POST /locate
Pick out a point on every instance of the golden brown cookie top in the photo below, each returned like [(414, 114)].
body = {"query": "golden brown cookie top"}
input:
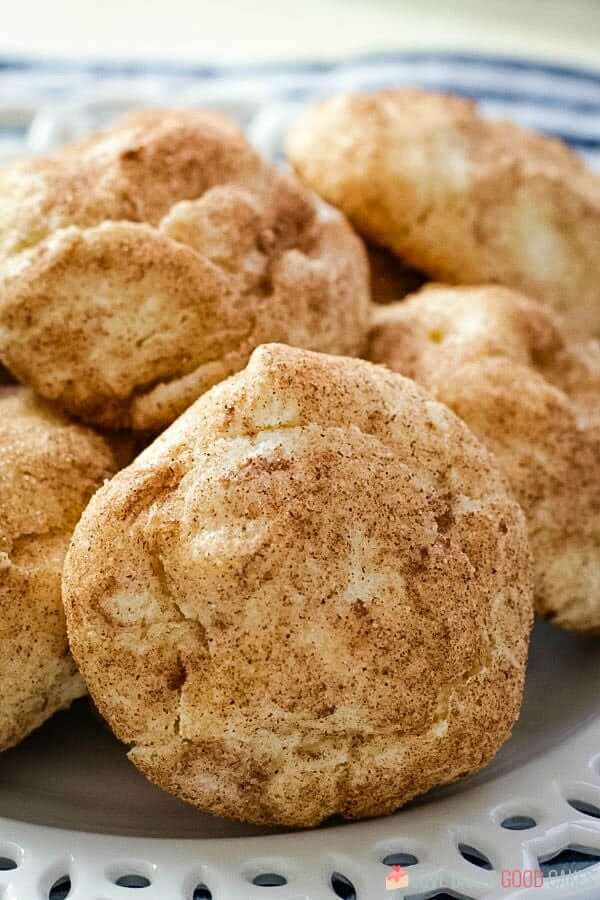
[(49, 467), (142, 265), (465, 199), (502, 363), (423, 133), (441, 328), (133, 172), (314, 568)]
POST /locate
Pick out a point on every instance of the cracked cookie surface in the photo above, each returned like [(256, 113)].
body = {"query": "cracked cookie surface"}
[(49, 468), (464, 199), (502, 363), (144, 264), (311, 595)]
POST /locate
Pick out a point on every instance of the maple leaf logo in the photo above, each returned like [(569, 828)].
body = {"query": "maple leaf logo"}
[(397, 878)]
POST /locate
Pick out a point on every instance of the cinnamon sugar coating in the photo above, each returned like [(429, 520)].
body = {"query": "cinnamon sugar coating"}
[(49, 468), (502, 362), (144, 264), (311, 595), (461, 198)]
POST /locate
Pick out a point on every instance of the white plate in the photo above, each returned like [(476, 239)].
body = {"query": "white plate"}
[(71, 803), (73, 775)]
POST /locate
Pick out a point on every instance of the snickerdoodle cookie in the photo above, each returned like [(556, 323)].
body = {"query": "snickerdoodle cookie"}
[(501, 362), (463, 199), (144, 264), (49, 468), (311, 595)]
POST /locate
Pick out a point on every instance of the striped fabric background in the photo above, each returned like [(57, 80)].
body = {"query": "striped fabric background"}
[(45, 103)]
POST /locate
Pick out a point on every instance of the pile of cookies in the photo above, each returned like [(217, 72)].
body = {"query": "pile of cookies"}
[(290, 511)]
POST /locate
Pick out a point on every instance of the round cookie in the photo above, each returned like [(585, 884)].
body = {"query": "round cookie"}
[(466, 200), (49, 468), (143, 265), (311, 595), (501, 362)]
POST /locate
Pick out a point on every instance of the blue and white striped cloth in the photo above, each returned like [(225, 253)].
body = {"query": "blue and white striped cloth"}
[(42, 104)]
